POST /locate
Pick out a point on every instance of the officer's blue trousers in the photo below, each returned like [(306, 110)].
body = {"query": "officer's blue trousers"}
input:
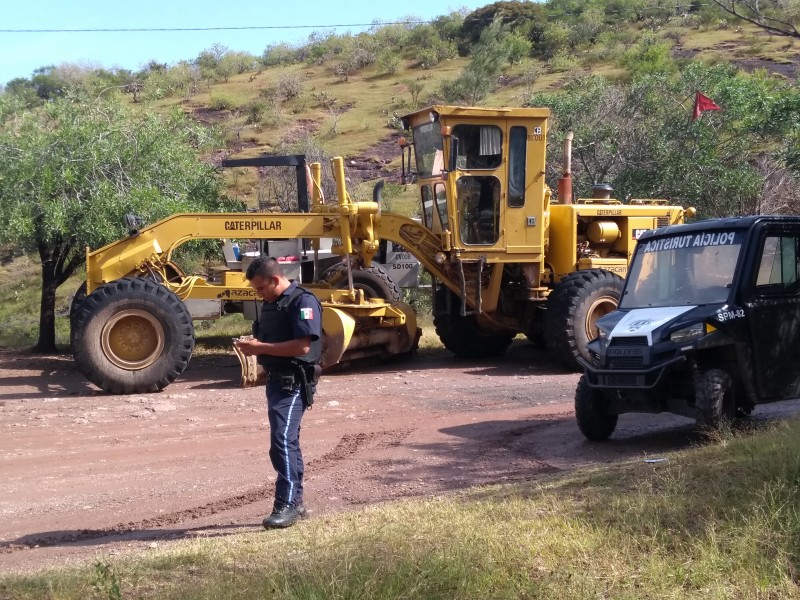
[(285, 411)]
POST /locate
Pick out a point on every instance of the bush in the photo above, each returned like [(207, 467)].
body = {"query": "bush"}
[(563, 62), (289, 86), (388, 62), (221, 102), (279, 54), (255, 112)]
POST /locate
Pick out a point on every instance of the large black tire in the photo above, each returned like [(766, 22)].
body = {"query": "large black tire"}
[(133, 336), (594, 420), (715, 403), (74, 308), (573, 308), (375, 281), (463, 336)]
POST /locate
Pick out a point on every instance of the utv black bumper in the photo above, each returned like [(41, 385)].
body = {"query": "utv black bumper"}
[(633, 379)]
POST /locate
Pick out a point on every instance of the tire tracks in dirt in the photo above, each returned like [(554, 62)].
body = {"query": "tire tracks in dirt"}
[(347, 447)]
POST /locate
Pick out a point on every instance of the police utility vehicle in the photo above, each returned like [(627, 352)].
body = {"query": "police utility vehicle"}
[(708, 325)]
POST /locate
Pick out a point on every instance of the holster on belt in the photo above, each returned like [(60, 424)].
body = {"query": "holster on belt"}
[(309, 376)]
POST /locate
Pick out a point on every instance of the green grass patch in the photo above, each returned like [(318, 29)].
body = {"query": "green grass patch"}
[(20, 298), (719, 521)]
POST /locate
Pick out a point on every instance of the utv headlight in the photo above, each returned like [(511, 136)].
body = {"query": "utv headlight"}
[(687, 334)]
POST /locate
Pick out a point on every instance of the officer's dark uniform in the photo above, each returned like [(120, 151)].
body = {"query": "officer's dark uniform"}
[(295, 314)]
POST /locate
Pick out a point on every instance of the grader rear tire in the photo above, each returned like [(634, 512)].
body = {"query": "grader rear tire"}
[(375, 282), (573, 309), (133, 336), (463, 336)]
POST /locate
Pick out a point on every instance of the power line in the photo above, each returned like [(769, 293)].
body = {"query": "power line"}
[(249, 27)]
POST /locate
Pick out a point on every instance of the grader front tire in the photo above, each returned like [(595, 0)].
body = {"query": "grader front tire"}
[(463, 336), (133, 336), (573, 309)]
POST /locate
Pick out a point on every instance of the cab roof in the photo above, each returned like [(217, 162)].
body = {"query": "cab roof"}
[(720, 224), (473, 112)]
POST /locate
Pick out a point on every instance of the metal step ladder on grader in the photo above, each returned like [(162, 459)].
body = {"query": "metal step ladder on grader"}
[(504, 259)]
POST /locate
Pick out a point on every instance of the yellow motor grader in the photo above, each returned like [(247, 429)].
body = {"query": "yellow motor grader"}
[(504, 259)]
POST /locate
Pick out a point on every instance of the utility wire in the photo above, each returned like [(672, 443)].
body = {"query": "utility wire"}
[(678, 7), (157, 29)]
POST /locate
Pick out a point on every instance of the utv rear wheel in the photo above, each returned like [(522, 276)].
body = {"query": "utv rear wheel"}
[(590, 411), (375, 281), (715, 404), (463, 336), (133, 336), (573, 309)]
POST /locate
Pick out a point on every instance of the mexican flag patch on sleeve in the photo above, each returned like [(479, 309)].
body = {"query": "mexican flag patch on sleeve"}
[(306, 314)]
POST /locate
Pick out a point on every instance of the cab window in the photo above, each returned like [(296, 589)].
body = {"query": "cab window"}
[(779, 267), (517, 146), (478, 146), (479, 206)]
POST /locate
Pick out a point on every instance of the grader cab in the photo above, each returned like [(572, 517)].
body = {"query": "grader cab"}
[(504, 259), (508, 259)]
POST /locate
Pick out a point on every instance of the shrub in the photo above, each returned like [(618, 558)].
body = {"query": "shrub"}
[(563, 62), (255, 112), (289, 86), (388, 62), (221, 102), (279, 54)]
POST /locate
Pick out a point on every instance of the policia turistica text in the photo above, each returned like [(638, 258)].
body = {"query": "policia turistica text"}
[(288, 344)]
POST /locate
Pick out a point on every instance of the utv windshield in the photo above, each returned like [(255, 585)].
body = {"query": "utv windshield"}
[(683, 270), (428, 149)]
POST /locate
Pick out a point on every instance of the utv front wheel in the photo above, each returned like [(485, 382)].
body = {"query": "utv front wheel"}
[(594, 421), (132, 336), (715, 404), (574, 307)]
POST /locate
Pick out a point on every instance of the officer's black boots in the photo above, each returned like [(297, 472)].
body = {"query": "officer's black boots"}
[(284, 515)]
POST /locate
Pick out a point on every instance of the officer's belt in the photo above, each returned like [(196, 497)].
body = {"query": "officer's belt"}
[(277, 374)]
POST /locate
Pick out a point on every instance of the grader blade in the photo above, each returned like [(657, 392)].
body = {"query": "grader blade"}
[(253, 374), (351, 332)]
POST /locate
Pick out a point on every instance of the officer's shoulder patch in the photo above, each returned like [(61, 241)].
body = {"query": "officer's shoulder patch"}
[(306, 314)]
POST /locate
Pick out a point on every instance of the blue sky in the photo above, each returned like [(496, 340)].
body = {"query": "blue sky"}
[(23, 52)]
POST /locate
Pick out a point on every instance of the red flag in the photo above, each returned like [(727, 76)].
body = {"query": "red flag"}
[(702, 103)]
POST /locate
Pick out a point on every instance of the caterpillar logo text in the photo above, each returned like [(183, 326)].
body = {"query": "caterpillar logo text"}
[(253, 225)]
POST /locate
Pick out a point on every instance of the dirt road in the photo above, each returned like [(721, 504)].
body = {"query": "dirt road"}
[(85, 473)]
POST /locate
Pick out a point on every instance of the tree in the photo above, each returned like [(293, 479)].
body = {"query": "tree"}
[(753, 11), (479, 78), (526, 18), (640, 138), (70, 171)]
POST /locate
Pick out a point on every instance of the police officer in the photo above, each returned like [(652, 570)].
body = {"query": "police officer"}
[(288, 344)]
